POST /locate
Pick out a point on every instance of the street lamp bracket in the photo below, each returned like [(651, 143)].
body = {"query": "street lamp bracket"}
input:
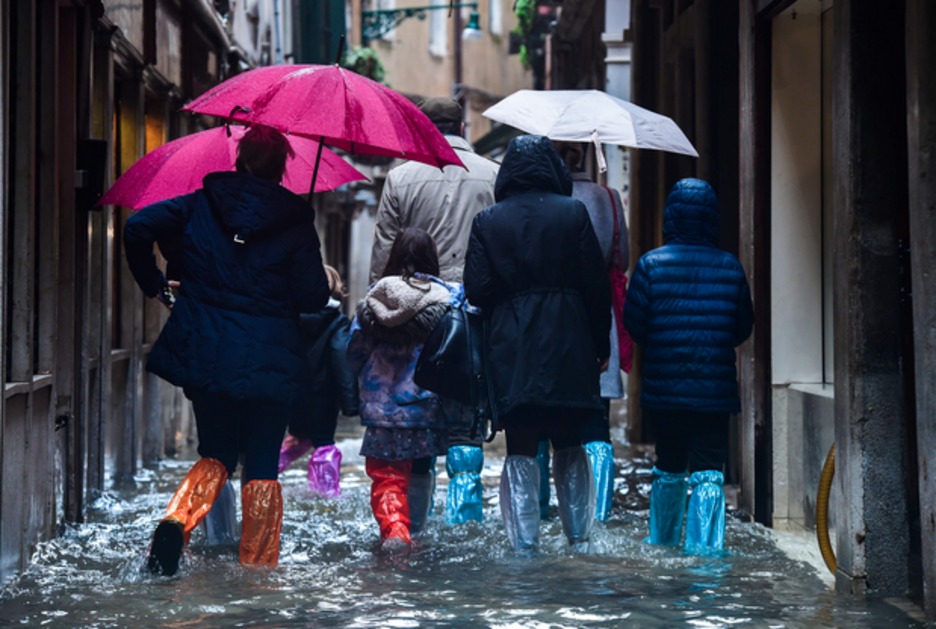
[(378, 22)]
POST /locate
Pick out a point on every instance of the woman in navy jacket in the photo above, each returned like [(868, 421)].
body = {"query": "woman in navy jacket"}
[(250, 264), (689, 306)]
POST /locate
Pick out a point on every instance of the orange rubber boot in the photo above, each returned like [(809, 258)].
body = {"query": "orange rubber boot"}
[(262, 507), (188, 507), (389, 500)]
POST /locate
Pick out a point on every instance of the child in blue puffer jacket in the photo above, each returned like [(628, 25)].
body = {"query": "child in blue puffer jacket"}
[(405, 424)]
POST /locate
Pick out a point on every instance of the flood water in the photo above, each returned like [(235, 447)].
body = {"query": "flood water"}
[(332, 574)]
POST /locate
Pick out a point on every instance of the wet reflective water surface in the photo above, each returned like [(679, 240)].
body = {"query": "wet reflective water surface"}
[(332, 572)]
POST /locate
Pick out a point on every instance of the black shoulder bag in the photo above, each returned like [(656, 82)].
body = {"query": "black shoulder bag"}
[(453, 364)]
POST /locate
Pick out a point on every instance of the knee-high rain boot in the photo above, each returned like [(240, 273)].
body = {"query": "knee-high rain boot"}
[(292, 449), (419, 492), (389, 500), (705, 521), (325, 472), (262, 506), (188, 507), (519, 501), (221, 522), (601, 460), (575, 492), (667, 507), (463, 501), (542, 461)]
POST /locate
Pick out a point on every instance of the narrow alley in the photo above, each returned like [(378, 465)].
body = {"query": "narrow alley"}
[(332, 572)]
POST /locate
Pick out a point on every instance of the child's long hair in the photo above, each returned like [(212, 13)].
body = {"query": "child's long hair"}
[(335, 286), (413, 251)]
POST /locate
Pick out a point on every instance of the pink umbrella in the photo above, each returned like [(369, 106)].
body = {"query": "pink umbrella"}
[(332, 104), (178, 167)]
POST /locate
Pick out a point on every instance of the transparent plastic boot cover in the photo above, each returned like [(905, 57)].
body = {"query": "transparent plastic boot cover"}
[(542, 459), (221, 522), (575, 492), (420, 491), (519, 501)]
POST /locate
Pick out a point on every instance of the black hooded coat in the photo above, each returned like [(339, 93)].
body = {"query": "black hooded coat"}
[(535, 268)]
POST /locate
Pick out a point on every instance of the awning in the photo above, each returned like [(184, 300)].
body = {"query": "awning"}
[(496, 140)]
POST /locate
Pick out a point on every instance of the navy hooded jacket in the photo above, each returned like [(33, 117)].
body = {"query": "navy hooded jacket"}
[(250, 264), (689, 306)]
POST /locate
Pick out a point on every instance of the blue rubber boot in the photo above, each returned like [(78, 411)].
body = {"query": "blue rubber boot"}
[(601, 460), (705, 522), (542, 460), (667, 507), (463, 502)]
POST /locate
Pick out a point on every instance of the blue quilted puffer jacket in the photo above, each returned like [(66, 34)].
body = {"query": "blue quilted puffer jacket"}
[(689, 306)]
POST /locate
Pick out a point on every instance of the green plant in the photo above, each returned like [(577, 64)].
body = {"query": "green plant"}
[(525, 10), (365, 61)]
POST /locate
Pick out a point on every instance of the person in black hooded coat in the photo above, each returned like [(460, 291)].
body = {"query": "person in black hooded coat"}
[(250, 263), (535, 268)]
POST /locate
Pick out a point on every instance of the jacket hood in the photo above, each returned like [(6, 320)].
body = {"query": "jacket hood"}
[(691, 215), (398, 310), (532, 163), (247, 206)]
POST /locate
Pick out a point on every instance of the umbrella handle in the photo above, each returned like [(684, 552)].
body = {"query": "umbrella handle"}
[(318, 160), (599, 153)]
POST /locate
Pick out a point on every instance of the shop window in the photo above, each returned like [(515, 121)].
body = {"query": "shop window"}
[(496, 17), (438, 33), (801, 197)]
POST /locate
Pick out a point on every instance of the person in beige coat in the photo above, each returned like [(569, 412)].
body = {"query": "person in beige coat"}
[(443, 202)]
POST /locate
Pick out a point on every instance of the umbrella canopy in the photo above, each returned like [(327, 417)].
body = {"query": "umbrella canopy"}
[(590, 116), (178, 167), (332, 104)]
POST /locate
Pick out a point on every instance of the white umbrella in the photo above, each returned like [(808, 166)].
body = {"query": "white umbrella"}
[(590, 116)]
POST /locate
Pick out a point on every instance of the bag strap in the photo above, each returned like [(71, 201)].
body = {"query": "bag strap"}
[(616, 238)]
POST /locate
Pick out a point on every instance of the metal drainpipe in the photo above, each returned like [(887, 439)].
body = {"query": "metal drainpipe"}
[(278, 51), (458, 89)]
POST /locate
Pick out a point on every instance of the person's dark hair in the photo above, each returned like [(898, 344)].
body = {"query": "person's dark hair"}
[(413, 251), (263, 152), (573, 154), (449, 128)]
